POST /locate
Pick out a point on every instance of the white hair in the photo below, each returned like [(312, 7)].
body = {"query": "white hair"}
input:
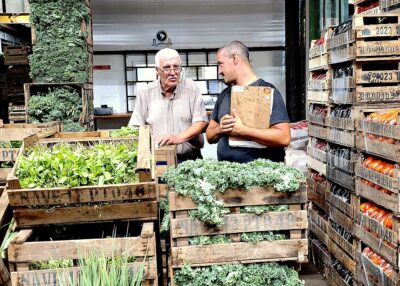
[(166, 54)]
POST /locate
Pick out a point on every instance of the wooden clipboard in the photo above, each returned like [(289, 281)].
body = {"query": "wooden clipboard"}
[(254, 106)]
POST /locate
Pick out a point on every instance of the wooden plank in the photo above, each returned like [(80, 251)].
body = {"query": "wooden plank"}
[(341, 218), (384, 181), (318, 232), (342, 39), (240, 198), (4, 205), (316, 153), (341, 137), (146, 211), (74, 249), (340, 123), (342, 257), (4, 174), (381, 30), (377, 274), (377, 76), (341, 178), (22, 236), (318, 96), (295, 234), (4, 274), (53, 277), (342, 54), (340, 163), (377, 48), (319, 220), (340, 241), (387, 252), (317, 199), (383, 232), (317, 131), (8, 154), (238, 223), (147, 230), (386, 130), (381, 149), (378, 94), (387, 201), (106, 193), (267, 251), (144, 149), (316, 165)]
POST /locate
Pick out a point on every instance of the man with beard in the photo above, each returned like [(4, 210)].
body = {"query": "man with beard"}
[(234, 65), (173, 107)]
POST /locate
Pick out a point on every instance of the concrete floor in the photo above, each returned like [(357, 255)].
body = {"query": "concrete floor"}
[(311, 276)]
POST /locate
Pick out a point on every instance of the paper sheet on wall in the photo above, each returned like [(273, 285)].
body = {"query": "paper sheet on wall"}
[(254, 106)]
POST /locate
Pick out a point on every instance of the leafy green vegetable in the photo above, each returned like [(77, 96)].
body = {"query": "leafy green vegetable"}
[(60, 53), (263, 209), (255, 237), (262, 274), (76, 165), (58, 103), (202, 179), (165, 223), (125, 131), (51, 264), (10, 144), (207, 240)]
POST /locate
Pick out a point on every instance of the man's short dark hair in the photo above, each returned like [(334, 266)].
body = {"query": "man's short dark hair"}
[(236, 48)]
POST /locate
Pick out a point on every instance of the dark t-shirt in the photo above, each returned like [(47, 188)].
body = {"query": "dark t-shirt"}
[(241, 154)]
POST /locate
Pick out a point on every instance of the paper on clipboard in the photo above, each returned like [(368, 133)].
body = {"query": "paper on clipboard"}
[(254, 106)]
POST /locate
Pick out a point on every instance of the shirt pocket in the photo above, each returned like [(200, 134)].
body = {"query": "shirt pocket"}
[(186, 122)]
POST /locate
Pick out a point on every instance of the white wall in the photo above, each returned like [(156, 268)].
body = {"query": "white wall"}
[(109, 85)]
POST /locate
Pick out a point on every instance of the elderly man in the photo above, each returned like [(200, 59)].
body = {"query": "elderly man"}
[(173, 107), (235, 67)]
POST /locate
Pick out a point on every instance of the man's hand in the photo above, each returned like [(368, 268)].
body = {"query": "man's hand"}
[(227, 123), (238, 126), (169, 140)]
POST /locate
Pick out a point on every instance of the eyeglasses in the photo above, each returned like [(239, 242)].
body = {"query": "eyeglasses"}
[(168, 69)]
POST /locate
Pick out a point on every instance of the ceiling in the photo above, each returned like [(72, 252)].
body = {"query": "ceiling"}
[(190, 24)]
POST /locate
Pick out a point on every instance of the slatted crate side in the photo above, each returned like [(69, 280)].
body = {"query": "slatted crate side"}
[(319, 63), (9, 154), (294, 221), (316, 119), (132, 201), (339, 122), (347, 209), (319, 256), (317, 131), (389, 6), (342, 137), (319, 96), (340, 40), (342, 178), (317, 50), (372, 274), (370, 72), (366, 30), (388, 201), (85, 90), (343, 96), (385, 250), (321, 84), (342, 54), (22, 252), (377, 94), (348, 247), (316, 153), (334, 279), (373, 11), (19, 131), (341, 163), (348, 262), (341, 83), (317, 193), (316, 165), (387, 182), (341, 218), (317, 218), (165, 156)]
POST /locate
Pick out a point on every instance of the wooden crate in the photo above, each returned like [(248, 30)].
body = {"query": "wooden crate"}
[(387, 182), (340, 123), (63, 205), (316, 153), (373, 11), (342, 137), (342, 212), (340, 177), (378, 40), (21, 252), (340, 247), (377, 73), (373, 146), (165, 156), (316, 119), (389, 6), (344, 39), (316, 165), (370, 274), (317, 131), (85, 90), (318, 193), (334, 279), (334, 161), (318, 57), (294, 221), (19, 131), (318, 225), (322, 84), (335, 250), (319, 96), (342, 54), (319, 256), (16, 55)]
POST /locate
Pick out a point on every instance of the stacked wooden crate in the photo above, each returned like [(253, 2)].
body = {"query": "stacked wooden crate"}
[(17, 76), (293, 221), (318, 98), (78, 206), (84, 88)]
